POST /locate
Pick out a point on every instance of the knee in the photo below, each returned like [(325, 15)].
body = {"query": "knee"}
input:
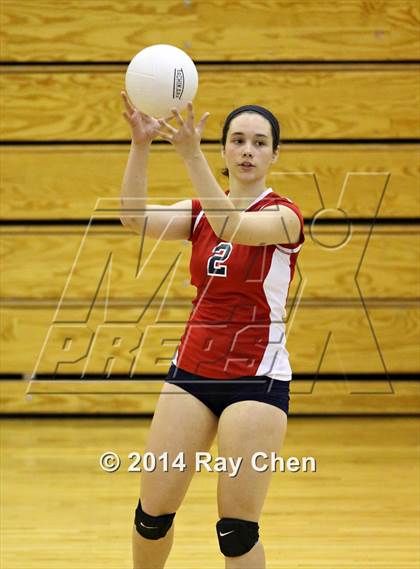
[(236, 537), (152, 527)]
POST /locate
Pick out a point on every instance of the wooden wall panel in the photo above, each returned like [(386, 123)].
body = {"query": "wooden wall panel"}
[(38, 264), (121, 397), (65, 182), (210, 30), (333, 339), (312, 102), (329, 329)]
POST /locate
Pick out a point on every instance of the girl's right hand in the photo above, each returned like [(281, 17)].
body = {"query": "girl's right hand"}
[(144, 128)]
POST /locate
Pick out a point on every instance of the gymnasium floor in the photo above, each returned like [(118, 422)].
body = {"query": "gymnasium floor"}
[(359, 510)]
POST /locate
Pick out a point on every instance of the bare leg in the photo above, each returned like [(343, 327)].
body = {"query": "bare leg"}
[(149, 554), (244, 429), (181, 423)]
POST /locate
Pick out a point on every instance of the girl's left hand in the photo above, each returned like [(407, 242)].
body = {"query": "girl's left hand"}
[(188, 136)]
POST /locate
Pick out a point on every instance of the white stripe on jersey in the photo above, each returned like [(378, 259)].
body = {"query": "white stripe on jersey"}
[(289, 251), (275, 360), (197, 219)]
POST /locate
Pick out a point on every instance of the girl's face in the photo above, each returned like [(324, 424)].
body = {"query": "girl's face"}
[(248, 152)]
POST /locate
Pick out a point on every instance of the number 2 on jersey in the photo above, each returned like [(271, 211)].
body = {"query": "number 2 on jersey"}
[(221, 253)]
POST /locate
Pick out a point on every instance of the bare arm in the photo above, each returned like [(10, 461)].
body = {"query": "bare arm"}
[(276, 224), (157, 221), (229, 224)]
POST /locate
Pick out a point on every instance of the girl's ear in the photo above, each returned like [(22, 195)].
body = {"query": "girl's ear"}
[(275, 154), (222, 151)]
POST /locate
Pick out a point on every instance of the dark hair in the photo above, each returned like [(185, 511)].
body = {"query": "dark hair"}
[(268, 115)]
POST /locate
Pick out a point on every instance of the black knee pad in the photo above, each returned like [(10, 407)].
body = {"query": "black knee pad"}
[(152, 527), (236, 537)]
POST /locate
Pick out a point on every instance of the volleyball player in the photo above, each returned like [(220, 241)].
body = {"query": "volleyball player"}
[(245, 242)]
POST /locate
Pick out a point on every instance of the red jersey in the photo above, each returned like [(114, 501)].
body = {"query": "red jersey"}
[(236, 327)]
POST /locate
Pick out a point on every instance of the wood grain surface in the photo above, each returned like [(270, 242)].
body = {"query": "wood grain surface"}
[(211, 30), (311, 101), (332, 73), (125, 340), (359, 509), (324, 397), (74, 264), (66, 182)]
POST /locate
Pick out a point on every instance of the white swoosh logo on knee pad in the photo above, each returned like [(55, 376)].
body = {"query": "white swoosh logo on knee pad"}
[(227, 533), (148, 527)]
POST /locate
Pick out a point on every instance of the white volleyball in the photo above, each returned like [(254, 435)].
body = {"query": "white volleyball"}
[(159, 78)]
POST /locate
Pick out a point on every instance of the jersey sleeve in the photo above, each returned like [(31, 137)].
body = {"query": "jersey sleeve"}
[(294, 207), (195, 210)]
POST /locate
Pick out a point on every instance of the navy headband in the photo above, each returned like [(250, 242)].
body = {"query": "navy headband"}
[(275, 127)]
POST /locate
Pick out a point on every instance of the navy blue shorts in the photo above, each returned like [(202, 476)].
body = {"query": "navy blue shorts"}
[(217, 394)]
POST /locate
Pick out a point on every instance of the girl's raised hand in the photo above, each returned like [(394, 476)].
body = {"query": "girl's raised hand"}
[(187, 137), (144, 128)]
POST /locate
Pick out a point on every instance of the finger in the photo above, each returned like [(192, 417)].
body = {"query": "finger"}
[(168, 126), (190, 111), (127, 103), (202, 122), (167, 118), (164, 135), (144, 115), (178, 117), (127, 117), (131, 108)]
